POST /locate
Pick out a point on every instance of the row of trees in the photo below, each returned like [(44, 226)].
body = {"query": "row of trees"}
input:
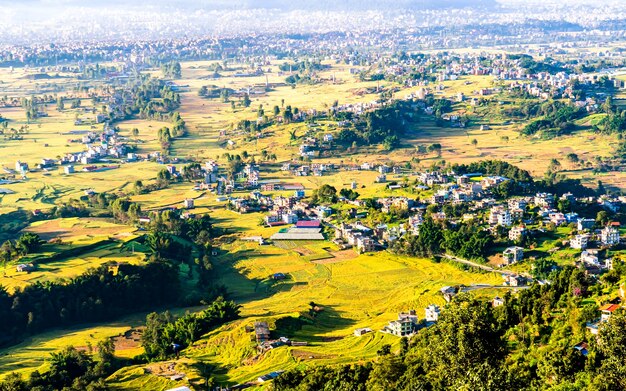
[(98, 295)]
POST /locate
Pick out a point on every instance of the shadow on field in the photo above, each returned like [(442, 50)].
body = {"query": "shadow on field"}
[(313, 328)]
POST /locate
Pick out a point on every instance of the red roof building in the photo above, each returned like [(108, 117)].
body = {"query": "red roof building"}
[(308, 224)]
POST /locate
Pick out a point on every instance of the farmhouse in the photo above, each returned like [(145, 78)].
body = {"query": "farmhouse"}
[(432, 313), (513, 255), (23, 267), (404, 326), (362, 331), (261, 331)]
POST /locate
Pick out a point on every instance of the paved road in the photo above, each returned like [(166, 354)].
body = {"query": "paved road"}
[(483, 267)]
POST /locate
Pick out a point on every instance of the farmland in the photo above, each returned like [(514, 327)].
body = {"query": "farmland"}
[(109, 213)]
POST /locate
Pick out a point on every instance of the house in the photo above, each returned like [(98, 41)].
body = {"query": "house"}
[(448, 292), (607, 310), (497, 301), (68, 169), (499, 215), (188, 203), (517, 233), (365, 244), (324, 211), (261, 331), (513, 255), (579, 241), (557, 218), (583, 224), (269, 376), (609, 236), (404, 326), (582, 347), (432, 313), (590, 257), (514, 280), (362, 331), (21, 167), (544, 200), (23, 267)]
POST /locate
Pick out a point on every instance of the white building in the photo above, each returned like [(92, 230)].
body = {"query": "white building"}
[(513, 255), (404, 326), (517, 233), (432, 313), (579, 242), (609, 236)]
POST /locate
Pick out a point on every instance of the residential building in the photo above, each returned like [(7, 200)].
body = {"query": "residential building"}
[(432, 313), (583, 224), (579, 241), (405, 325), (609, 236), (517, 233), (513, 255)]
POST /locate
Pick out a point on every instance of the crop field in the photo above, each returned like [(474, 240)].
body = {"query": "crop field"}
[(386, 284), (32, 354), (354, 290), (71, 267)]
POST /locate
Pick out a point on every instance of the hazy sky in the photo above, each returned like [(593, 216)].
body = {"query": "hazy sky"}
[(36, 20)]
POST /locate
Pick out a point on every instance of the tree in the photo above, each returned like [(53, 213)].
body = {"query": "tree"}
[(246, 101), (324, 194), (602, 218), (572, 158), (435, 148), (554, 166), (138, 187), (391, 142), (464, 349), (28, 243), (164, 176), (612, 347)]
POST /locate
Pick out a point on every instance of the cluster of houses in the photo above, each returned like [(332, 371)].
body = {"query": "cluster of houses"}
[(474, 190)]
